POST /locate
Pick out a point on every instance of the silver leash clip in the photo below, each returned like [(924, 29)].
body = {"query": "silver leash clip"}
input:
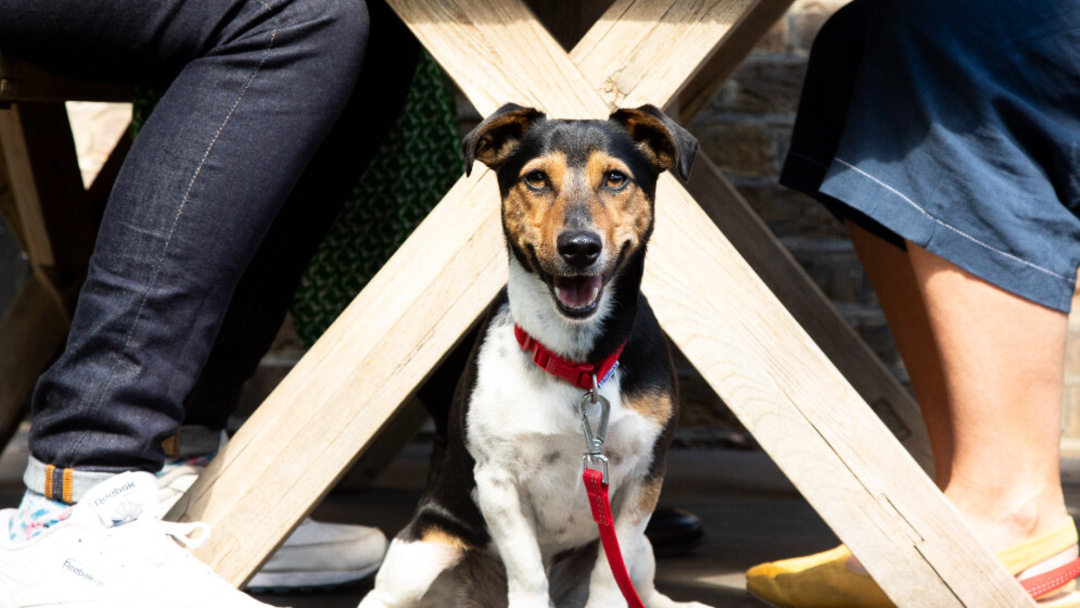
[(594, 442)]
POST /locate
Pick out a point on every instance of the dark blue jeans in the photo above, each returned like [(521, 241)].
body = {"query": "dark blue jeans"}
[(256, 89)]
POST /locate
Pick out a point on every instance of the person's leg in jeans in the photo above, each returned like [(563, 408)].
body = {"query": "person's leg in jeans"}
[(259, 86), (265, 292), (262, 299), (256, 86)]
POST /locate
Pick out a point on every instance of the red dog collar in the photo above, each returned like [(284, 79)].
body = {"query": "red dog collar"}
[(579, 374)]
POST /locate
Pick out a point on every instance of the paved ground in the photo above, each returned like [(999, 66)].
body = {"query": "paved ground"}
[(751, 514)]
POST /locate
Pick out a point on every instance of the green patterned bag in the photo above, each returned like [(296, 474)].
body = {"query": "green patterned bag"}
[(416, 165)]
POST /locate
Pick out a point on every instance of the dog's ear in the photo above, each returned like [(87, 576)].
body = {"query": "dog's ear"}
[(495, 139), (661, 139)]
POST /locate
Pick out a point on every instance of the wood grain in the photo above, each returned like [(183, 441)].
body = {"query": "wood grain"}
[(639, 48), (753, 24), (21, 80), (32, 332), (56, 226), (776, 267), (22, 183)]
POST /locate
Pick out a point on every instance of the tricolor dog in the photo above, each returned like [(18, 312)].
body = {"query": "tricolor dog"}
[(570, 344)]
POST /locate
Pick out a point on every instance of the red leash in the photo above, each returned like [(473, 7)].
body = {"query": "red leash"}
[(584, 375), (601, 509)]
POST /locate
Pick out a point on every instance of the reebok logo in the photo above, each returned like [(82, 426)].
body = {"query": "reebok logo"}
[(98, 502), (79, 572)]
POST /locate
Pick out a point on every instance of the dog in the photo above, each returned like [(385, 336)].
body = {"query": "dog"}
[(507, 521)]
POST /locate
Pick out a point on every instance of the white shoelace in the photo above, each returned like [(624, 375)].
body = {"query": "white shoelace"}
[(191, 535)]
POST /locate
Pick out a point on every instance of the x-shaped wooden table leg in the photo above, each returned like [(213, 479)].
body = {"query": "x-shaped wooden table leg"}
[(801, 410)]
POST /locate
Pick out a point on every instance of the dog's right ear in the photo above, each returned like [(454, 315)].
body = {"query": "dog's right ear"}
[(495, 139)]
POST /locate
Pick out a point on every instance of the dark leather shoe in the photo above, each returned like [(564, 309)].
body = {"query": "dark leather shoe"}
[(674, 531)]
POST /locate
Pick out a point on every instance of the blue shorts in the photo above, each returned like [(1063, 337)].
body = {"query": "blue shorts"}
[(954, 125)]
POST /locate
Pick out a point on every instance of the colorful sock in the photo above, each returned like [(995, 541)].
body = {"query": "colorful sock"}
[(35, 514), (199, 461)]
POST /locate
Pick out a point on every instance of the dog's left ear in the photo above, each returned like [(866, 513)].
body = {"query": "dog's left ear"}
[(496, 138), (661, 139)]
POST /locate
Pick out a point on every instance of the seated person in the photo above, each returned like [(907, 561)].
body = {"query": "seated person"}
[(944, 134)]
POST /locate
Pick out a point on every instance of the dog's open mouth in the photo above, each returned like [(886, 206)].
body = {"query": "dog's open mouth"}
[(577, 296)]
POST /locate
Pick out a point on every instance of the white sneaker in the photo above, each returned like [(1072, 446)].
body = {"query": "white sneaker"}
[(113, 552), (315, 556)]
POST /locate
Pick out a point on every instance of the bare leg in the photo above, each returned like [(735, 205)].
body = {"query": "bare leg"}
[(987, 369), (1003, 360), (893, 280)]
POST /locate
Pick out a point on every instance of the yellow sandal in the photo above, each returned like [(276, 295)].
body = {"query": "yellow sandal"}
[(823, 580)]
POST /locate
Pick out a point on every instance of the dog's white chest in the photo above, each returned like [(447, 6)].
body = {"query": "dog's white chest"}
[(528, 425)]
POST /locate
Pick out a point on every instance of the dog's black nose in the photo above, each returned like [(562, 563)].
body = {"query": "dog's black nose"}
[(579, 248)]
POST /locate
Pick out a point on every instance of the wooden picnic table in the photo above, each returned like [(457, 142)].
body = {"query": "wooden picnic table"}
[(709, 298)]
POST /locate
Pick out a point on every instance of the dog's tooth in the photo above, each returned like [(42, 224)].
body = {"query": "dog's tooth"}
[(595, 292)]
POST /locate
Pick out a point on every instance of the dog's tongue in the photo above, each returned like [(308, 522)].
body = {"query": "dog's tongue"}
[(577, 292)]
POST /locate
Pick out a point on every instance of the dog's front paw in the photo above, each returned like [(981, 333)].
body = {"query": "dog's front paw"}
[(530, 600), (605, 600), (663, 601)]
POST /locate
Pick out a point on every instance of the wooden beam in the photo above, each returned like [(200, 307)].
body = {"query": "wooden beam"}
[(776, 267), (32, 332), (21, 80), (98, 192), (56, 226), (50, 153), (630, 53), (349, 379), (754, 24), (23, 187), (507, 35)]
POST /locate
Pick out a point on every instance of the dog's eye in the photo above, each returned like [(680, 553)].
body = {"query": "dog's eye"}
[(535, 179), (615, 180)]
